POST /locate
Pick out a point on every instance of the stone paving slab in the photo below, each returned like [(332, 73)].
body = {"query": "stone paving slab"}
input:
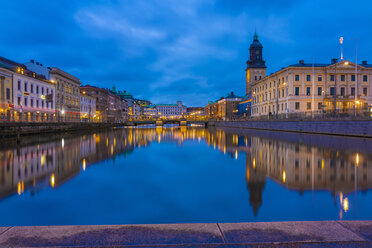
[(315, 231), (111, 235), (274, 234), (362, 228)]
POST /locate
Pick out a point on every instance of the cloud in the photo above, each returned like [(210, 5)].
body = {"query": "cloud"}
[(165, 50)]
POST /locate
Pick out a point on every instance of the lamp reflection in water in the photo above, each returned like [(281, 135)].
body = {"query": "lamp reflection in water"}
[(346, 204), (52, 180)]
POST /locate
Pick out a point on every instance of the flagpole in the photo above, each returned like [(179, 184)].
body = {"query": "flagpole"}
[(356, 78), (342, 48)]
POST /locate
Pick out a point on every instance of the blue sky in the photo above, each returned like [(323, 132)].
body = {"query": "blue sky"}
[(171, 50)]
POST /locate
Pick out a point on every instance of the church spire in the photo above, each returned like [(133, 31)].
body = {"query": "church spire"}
[(256, 68), (255, 36), (255, 53)]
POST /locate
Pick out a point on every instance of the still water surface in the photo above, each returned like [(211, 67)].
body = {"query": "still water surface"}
[(179, 174)]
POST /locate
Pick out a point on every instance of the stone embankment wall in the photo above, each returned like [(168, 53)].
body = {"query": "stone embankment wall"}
[(360, 128), (16, 129)]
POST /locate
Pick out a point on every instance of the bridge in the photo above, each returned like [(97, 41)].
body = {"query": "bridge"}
[(180, 122)]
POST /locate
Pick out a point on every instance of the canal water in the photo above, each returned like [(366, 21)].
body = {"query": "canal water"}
[(183, 175)]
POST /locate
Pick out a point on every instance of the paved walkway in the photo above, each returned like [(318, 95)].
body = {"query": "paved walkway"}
[(273, 234)]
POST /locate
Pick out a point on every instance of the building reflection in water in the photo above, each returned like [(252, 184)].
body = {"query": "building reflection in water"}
[(301, 166)]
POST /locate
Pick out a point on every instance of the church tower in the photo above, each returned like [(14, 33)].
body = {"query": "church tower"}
[(256, 68)]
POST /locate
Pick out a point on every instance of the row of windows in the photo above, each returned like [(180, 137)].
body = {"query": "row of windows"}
[(65, 87), (86, 100), (331, 78), (332, 91), (320, 92), (26, 88), (34, 103)]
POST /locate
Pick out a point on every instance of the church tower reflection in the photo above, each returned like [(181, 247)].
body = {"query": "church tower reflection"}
[(256, 181)]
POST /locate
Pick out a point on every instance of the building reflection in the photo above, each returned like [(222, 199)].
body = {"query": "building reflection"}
[(295, 165)]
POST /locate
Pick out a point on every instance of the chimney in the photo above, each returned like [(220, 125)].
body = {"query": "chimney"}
[(364, 62), (232, 93), (302, 62), (32, 61), (334, 61)]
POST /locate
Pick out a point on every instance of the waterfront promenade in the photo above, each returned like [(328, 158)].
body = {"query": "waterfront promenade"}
[(260, 234)]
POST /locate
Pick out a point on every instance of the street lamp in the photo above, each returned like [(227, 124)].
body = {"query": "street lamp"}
[(62, 113)]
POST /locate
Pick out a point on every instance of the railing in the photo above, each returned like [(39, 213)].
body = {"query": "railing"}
[(360, 114)]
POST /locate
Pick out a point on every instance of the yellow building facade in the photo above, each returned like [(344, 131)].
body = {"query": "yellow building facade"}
[(308, 88), (6, 95)]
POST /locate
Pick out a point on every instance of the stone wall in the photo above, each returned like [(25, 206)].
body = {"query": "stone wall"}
[(361, 128)]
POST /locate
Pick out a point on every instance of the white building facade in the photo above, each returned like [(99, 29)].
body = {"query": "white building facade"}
[(87, 107), (34, 99)]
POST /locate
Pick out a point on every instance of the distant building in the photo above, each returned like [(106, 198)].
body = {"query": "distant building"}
[(32, 96), (165, 110), (101, 96), (194, 110), (68, 95), (87, 106), (143, 102), (244, 107), (223, 109)]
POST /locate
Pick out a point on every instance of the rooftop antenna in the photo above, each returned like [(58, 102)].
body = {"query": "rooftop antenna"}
[(342, 48)]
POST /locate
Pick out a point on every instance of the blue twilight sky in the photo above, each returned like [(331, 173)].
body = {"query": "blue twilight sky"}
[(171, 50)]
